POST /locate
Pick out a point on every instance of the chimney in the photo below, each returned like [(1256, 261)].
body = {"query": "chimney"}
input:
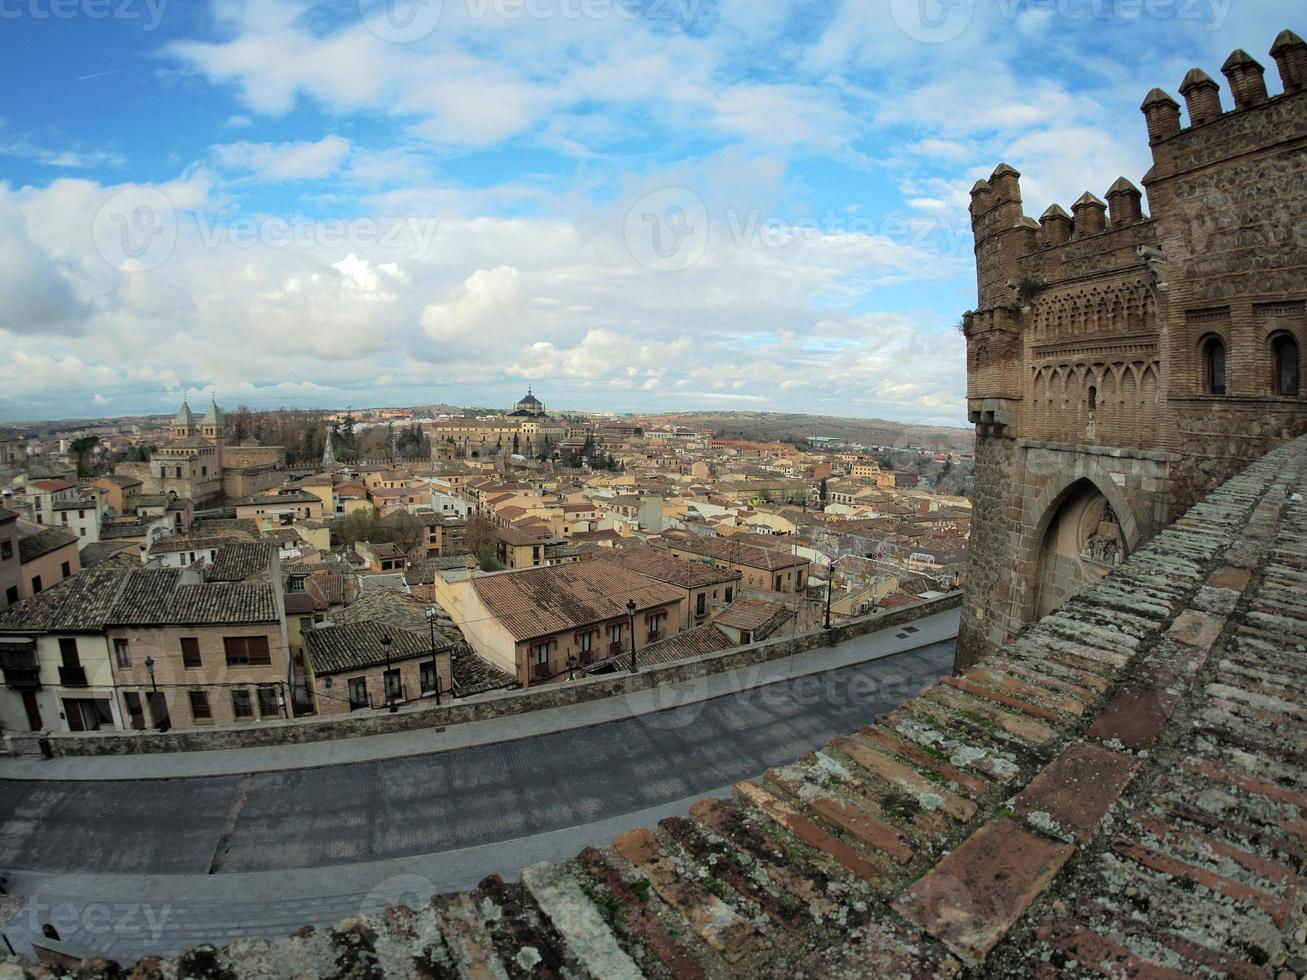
[(1247, 79), (1202, 97), (1290, 54), (1090, 215), (1056, 224), (1124, 201), (1161, 114)]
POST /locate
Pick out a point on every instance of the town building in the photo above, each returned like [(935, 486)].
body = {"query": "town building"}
[(764, 569), (544, 624)]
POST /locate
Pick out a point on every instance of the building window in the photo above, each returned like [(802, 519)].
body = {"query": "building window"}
[(427, 677), (242, 705), (11, 594), (1285, 351), (1214, 365), (729, 596), (615, 633), (358, 693), (200, 710), (6, 550), (36, 585), (66, 569), (247, 651), (122, 653), (655, 621), (701, 604), (191, 652), (68, 652), (587, 642), (394, 686), (268, 705)]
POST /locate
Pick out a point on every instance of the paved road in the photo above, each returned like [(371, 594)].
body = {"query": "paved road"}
[(387, 809), (223, 856)]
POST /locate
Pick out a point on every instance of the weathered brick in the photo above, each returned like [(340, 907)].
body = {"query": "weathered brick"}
[(1077, 789), (710, 918), (1100, 954), (807, 831), (982, 888), (1135, 716), (875, 761), (642, 919)]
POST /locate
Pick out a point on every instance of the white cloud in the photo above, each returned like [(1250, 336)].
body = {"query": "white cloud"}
[(285, 161)]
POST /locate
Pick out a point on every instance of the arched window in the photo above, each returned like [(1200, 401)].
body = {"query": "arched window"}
[(1093, 399), (1214, 365), (1284, 353)]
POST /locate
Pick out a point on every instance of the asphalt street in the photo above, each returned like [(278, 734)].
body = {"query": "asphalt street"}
[(223, 853)]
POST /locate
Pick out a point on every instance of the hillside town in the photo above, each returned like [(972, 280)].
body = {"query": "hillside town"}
[(185, 574)]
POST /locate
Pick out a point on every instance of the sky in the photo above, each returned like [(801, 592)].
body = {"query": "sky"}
[(630, 205)]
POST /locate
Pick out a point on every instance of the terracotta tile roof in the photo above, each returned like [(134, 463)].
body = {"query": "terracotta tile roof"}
[(53, 486), (41, 543), (666, 568), (356, 646), (736, 552), (698, 642), (754, 615), (95, 599), (157, 597), (542, 601), (236, 562)]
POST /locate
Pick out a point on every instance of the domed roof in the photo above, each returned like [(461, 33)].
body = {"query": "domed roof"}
[(184, 415), (530, 399)]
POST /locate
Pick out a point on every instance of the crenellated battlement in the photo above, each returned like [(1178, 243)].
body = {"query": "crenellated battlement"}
[(1123, 358)]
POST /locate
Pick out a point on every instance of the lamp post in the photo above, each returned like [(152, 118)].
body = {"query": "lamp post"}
[(385, 678), (435, 667), (830, 587), (630, 612), (154, 694), (571, 667)]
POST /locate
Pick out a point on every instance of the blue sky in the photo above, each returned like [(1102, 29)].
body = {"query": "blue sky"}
[(633, 205)]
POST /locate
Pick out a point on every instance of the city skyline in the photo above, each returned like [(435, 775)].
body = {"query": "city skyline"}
[(427, 209)]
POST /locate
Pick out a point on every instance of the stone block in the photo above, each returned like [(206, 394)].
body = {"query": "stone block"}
[(976, 894), (1075, 792)]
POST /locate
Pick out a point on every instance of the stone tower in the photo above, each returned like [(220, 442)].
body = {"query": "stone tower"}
[(1122, 364), (183, 423)]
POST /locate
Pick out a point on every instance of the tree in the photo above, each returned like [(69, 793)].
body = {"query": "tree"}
[(517, 444), (481, 537), (79, 450), (407, 532)]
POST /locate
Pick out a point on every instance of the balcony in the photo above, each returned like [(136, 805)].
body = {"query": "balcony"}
[(654, 636), (587, 658), (18, 661), (72, 676), (540, 672), (614, 648)]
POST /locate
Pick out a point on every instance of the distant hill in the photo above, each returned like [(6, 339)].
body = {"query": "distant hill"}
[(791, 427)]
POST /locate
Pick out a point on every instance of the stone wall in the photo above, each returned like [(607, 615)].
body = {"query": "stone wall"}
[(1090, 333), (464, 710)]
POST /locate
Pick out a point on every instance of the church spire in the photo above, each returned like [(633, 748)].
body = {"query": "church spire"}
[(329, 453)]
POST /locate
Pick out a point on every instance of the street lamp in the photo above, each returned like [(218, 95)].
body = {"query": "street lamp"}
[(385, 678), (630, 612), (571, 667), (435, 667), (830, 587), (154, 695)]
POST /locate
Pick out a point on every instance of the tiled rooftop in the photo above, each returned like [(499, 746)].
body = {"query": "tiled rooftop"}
[(542, 601), (1120, 792)]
